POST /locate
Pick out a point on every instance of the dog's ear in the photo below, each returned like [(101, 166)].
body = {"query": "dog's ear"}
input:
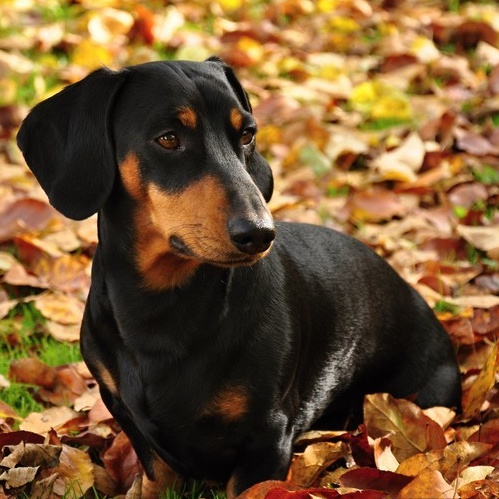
[(258, 167), (67, 144)]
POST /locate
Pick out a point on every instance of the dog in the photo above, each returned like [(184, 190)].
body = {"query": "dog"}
[(216, 334)]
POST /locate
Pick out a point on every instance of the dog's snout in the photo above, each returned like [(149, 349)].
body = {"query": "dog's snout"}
[(251, 236)]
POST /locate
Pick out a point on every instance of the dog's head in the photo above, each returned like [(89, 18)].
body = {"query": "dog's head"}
[(177, 138)]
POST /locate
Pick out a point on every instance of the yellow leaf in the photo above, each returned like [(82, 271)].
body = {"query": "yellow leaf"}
[(327, 5), (379, 100), (251, 48), (344, 25), (91, 55), (229, 5), (75, 465), (396, 105), (477, 393)]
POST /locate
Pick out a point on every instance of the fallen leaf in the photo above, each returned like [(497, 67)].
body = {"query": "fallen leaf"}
[(59, 307), (402, 163), (402, 422), (121, 462), (472, 474), (383, 455), (475, 395), (307, 466), (75, 470), (428, 485), (17, 477), (448, 461), (32, 371), (375, 206), (31, 455), (43, 422), (369, 478)]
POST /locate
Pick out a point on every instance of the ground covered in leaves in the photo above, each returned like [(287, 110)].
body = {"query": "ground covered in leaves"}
[(380, 119)]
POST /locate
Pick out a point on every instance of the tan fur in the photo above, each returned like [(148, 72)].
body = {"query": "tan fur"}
[(236, 118), (197, 215), (107, 378), (230, 404), (188, 117)]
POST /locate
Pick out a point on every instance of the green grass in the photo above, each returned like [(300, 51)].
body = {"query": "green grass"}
[(192, 489), (22, 336)]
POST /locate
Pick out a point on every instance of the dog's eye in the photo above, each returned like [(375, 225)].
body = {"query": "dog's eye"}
[(169, 141), (247, 137)]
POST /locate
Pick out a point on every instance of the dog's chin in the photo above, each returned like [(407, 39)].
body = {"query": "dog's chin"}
[(224, 260)]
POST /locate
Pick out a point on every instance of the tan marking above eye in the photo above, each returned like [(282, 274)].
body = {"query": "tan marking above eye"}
[(236, 118), (188, 117)]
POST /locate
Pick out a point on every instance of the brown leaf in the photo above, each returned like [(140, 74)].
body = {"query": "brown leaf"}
[(121, 461), (369, 478), (480, 489), (404, 423), (448, 461), (17, 477), (428, 485), (75, 467), (17, 275), (375, 205), (42, 489), (32, 371), (475, 395), (307, 466), (61, 308), (43, 422), (261, 490), (31, 455), (67, 273), (24, 215), (7, 412)]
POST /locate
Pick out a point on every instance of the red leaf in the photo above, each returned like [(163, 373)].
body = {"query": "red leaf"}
[(369, 478)]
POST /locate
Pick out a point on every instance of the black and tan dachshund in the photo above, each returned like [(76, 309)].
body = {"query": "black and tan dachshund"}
[(215, 334)]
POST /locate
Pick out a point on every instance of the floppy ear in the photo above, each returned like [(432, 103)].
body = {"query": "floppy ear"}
[(67, 144), (258, 167)]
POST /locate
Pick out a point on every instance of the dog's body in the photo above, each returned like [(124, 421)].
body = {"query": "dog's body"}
[(211, 357)]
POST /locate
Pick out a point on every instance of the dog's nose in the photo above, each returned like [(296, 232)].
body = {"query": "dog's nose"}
[(250, 236)]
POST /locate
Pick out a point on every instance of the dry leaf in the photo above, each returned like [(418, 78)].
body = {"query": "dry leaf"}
[(307, 466), (403, 423), (43, 422), (403, 162), (428, 485), (17, 477), (74, 464), (475, 395)]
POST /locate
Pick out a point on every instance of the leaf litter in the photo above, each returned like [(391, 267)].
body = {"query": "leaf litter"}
[(379, 119)]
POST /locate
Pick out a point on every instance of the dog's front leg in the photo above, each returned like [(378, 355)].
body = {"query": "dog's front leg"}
[(266, 458)]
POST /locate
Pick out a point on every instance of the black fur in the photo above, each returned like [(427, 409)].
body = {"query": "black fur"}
[(218, 373)]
